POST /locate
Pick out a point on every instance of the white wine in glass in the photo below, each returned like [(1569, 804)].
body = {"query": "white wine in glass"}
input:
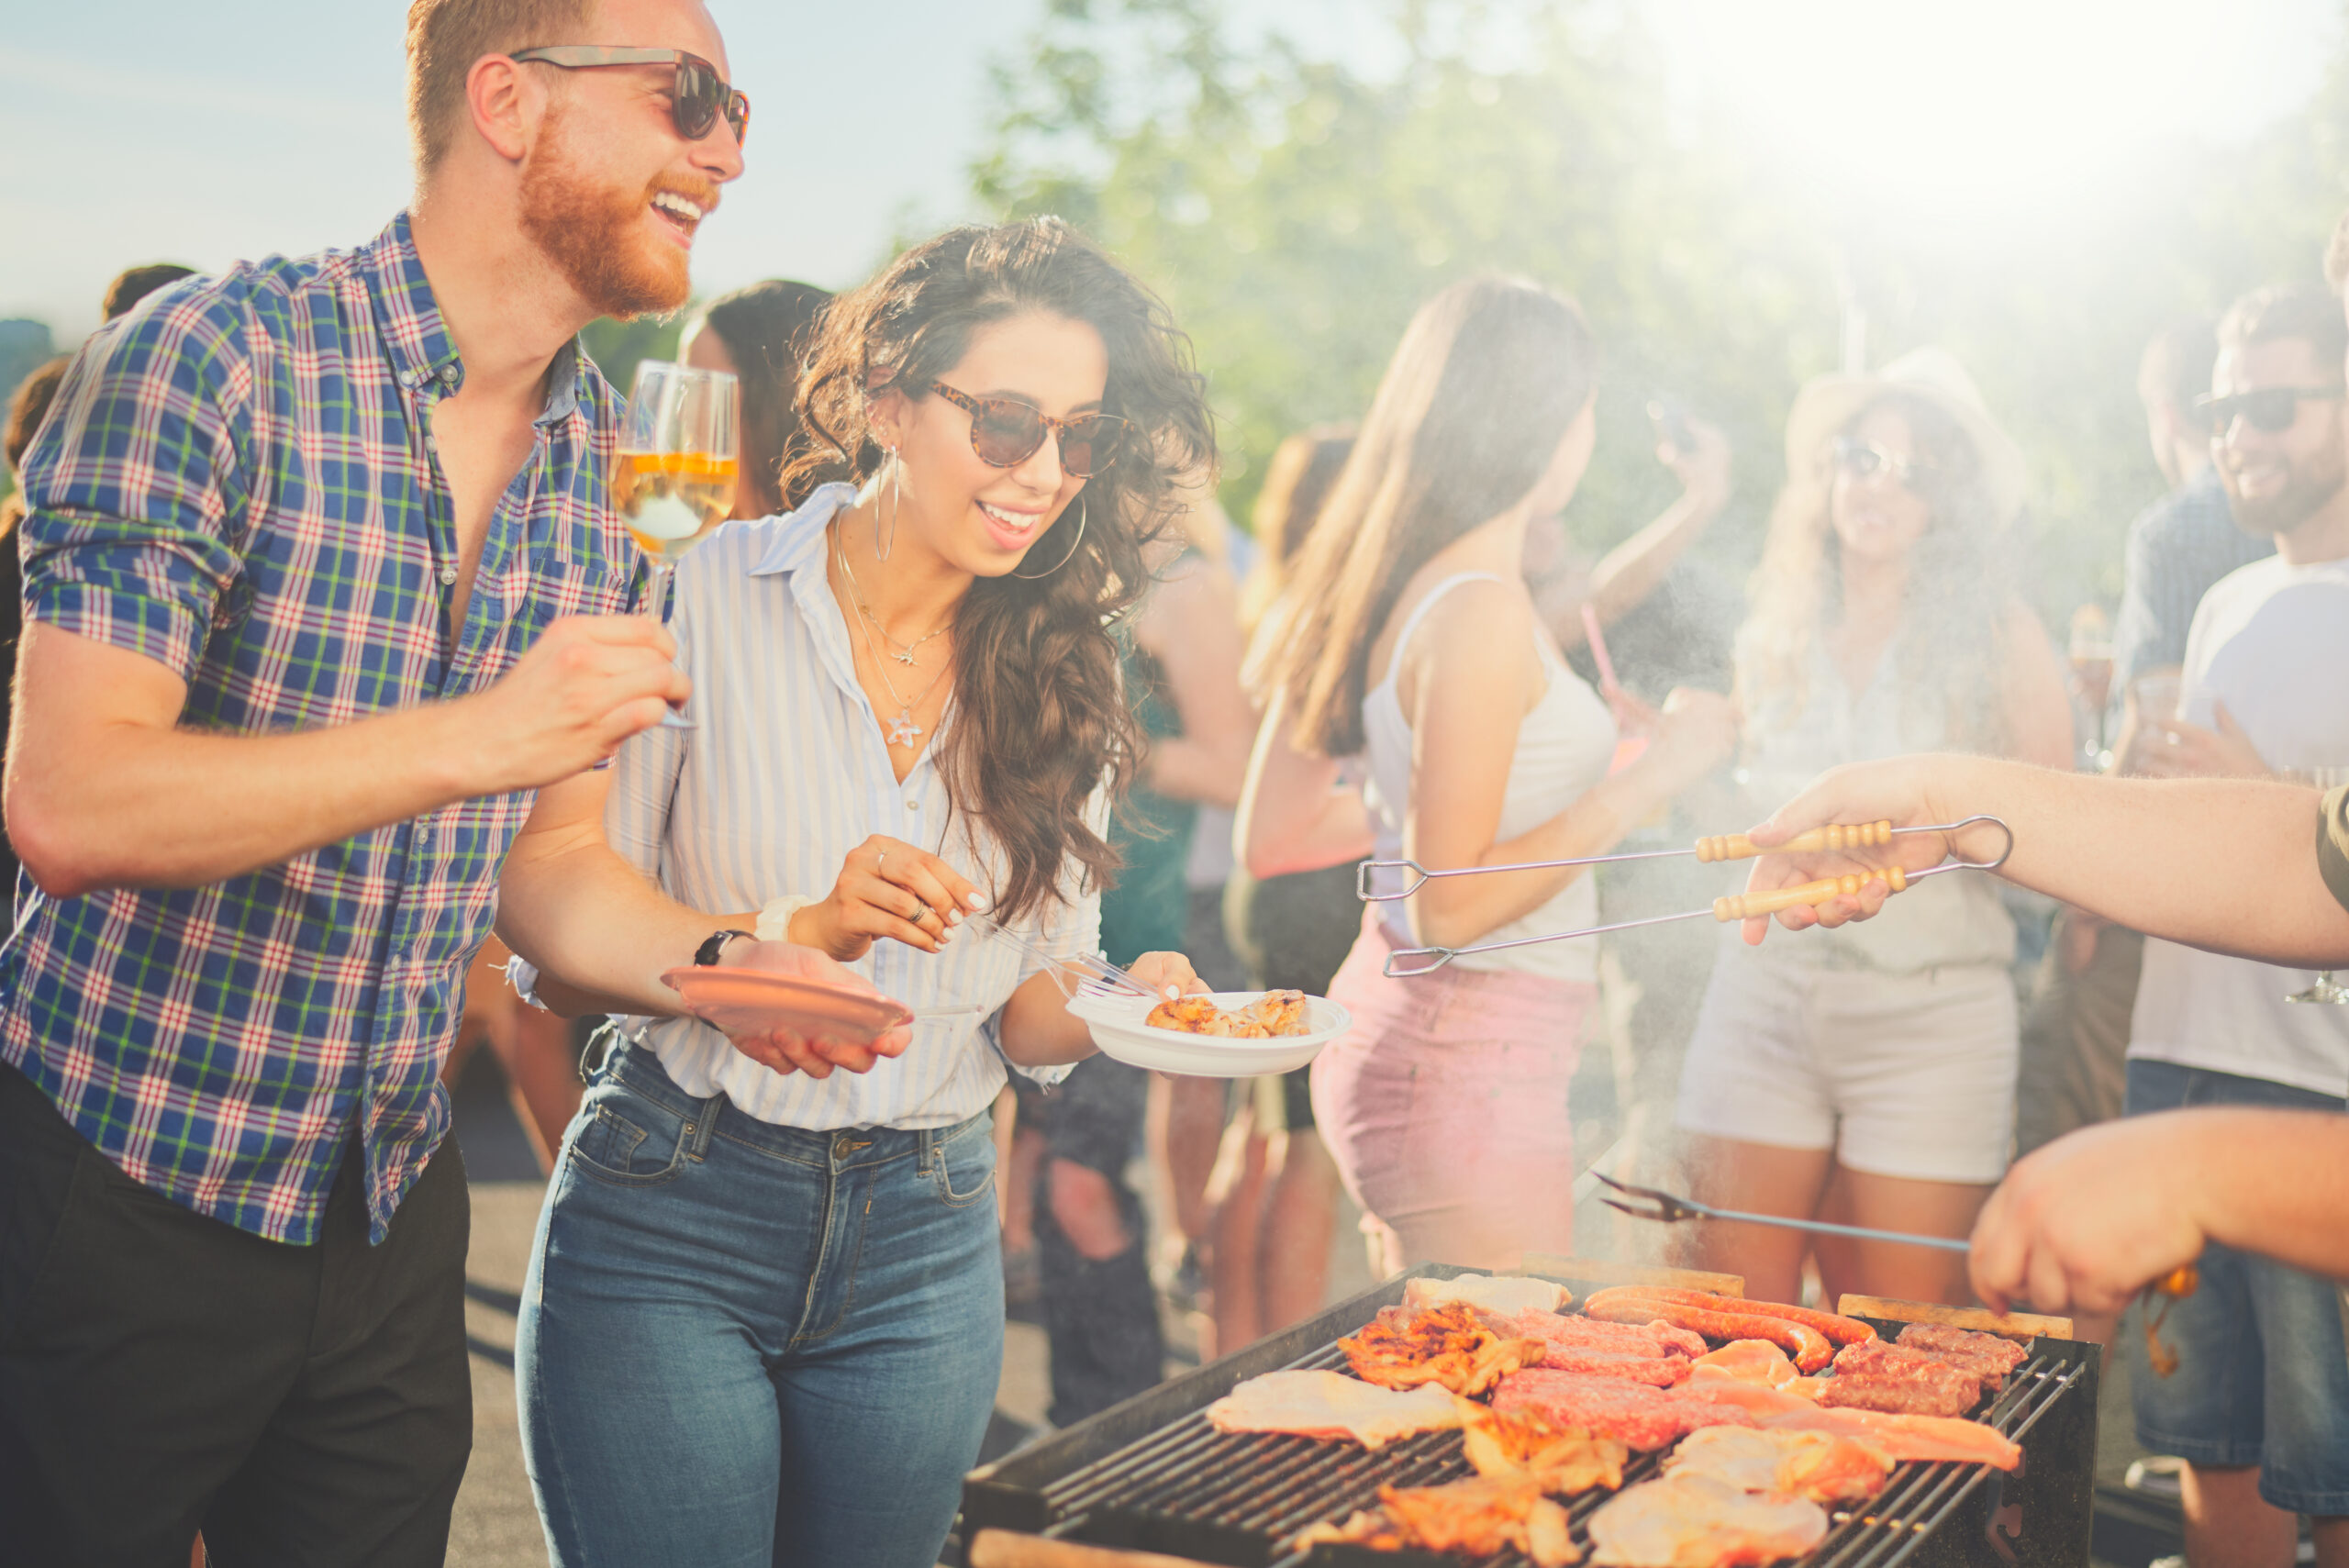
[(674, 475)]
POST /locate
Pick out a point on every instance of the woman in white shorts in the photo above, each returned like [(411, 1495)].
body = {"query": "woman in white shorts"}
[(1868, 1076)]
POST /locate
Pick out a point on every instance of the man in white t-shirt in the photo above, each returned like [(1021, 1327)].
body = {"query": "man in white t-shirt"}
[(2259, 1405)]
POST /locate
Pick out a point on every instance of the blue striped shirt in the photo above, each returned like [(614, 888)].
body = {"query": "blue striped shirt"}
[(785, 773)]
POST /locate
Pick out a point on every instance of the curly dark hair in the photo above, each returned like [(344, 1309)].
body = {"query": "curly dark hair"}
[(1041, 719)]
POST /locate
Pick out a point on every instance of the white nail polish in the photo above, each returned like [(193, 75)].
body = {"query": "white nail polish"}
[(977, 900)]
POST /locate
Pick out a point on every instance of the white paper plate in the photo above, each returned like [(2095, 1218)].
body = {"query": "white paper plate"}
[(1118, 1028)]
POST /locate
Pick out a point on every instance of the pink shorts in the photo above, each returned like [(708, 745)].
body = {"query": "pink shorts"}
[(1444, 1106)]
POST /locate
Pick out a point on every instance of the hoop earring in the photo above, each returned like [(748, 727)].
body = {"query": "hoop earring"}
[(881, 547), (1063, 561)]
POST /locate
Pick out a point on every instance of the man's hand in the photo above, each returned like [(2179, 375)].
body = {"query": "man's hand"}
[(1900, 790), (2177, 750), (786, 1050), (588, 683), (888, 888), (2087, 1221)]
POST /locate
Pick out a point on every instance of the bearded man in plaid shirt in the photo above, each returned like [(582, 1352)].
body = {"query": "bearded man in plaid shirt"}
[(325, 630)]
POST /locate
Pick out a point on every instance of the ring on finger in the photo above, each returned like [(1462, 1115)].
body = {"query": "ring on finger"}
[(880, 861)]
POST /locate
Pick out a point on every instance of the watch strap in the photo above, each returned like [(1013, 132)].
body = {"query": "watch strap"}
[(706, 955)]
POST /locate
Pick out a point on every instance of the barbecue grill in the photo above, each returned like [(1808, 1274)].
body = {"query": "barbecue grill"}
[(1150, 1474)]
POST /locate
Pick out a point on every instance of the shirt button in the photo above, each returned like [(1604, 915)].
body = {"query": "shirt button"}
[(913, 805), (449, 576)]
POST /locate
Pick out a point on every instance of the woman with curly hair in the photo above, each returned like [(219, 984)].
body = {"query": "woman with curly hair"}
[(1871, 1074), (764, 1318)]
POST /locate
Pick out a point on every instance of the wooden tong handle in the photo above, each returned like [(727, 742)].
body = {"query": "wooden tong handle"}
[(1743, 905), (1834, 835), (1011, 1548)]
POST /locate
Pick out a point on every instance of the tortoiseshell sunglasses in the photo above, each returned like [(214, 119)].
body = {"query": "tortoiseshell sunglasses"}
[(699, 97), (1005, 432)]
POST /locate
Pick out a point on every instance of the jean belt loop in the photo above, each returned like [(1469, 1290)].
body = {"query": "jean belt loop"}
[(933, 1141), (702, 1124)]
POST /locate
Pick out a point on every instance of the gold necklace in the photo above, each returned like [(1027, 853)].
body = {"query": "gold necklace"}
[(902, 729), (902, 653)]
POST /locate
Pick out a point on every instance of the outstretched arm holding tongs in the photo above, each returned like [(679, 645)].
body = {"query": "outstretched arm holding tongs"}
[(2249, 867)]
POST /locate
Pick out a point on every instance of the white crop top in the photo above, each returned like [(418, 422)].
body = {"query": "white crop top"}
[(1564, 745)]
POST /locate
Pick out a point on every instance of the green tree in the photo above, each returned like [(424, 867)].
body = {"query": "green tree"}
[(1295, 207)]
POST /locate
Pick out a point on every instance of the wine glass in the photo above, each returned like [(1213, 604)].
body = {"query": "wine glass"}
[(2325, 988), (673, 476), (2090, 651)]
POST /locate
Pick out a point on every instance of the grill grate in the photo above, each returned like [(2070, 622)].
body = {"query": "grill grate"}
[(1181, 1486)]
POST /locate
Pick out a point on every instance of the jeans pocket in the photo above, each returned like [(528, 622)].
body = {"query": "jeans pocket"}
[(963, 1168), (630, 1142)]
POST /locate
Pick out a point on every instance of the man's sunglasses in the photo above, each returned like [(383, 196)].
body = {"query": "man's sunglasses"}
[(698, 98), (1858, 460), (2271, 408), (1005, 432)]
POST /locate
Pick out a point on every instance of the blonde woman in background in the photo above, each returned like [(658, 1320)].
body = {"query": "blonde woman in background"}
[(1870, 1074)]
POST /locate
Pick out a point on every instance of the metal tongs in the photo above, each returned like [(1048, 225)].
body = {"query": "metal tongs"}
[(1403, 963), (1653, 1203)]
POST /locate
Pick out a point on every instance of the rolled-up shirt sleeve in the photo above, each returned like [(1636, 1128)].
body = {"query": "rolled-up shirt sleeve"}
[(1065, 930), (2333, 843), (138, 488)]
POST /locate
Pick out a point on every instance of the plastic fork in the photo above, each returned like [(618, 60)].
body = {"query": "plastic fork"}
[(1405, 963), (1653, 1203), (1077, 975)]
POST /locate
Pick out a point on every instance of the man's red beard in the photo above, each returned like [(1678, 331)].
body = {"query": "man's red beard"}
[(593, 232)]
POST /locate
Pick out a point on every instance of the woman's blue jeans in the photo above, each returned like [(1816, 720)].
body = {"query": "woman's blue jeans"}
[(745, 1345)]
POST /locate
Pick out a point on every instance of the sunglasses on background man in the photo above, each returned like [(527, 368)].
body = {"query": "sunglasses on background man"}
[(700, 94), (2271, 408)]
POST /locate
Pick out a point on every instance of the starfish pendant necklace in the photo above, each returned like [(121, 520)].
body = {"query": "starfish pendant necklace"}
[(902, 729)]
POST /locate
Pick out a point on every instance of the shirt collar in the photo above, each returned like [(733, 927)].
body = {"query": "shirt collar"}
[(801, 543), (417, 339)]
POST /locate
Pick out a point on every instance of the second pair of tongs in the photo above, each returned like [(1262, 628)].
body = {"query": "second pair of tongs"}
[(1653, 1203), (1403, 963)]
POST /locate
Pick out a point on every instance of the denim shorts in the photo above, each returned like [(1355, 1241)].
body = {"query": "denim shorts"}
[(2263, 1373)]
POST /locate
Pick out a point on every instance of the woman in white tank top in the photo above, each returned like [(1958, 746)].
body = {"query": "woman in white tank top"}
[(1413, 642)]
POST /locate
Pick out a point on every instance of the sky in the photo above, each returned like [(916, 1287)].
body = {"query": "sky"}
[(135, 130)]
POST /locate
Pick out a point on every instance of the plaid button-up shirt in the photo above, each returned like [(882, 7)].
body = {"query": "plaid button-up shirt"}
[(239, 481)]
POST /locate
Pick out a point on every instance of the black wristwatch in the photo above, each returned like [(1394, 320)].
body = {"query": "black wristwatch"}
[(706, 955)]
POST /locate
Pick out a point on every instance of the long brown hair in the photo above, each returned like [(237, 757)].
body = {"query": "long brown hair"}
[(1947, 651), (1297, 486), (1040, 717), (1488, 377)]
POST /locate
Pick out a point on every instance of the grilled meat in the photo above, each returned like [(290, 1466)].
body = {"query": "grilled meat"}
[(1499, 1297), (1877, 1376), (1653, 1340), (1695, 1521), (1746, 1360), (1273, 1014), (1987, 1356), (1558, 1459), (1822, 1466), (1632, 1413), (1479, 1517), (1446, 1345), (1330, 1404)]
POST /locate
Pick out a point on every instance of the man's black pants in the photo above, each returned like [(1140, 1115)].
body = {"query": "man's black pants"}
[(161, 1371)]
